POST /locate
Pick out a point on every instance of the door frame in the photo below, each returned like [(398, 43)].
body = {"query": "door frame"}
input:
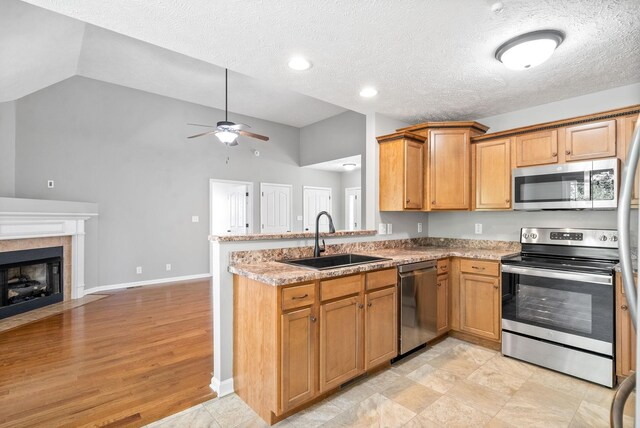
[(316, 188), (290, 186), (346, 217), (249, 185)]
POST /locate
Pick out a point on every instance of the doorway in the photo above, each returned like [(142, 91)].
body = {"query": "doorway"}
[(352, 208), (275, 208), (315, 199), (230, 207)]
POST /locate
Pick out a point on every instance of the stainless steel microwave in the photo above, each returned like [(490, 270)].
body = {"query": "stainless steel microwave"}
[(570, 186)]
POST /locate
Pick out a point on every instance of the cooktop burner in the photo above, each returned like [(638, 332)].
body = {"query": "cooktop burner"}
[(561, 263)]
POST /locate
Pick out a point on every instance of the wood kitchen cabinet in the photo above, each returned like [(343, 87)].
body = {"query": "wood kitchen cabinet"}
[(443, 306), (401, 171), (480, 298), (590, 141), (625, 333), (491, 184), (449, 169), (536, 148), (628, 124), (294, 343)]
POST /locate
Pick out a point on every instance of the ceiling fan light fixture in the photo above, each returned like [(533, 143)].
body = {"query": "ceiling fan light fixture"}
[(227, 137), (529, 50), (368, 92), (299, 63), (349, 166)]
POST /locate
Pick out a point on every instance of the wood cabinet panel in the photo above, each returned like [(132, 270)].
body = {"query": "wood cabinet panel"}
[(449, 169), (413, 190), (625, 333), (339, 287), (443, 324), (480, 305), (442, 266), (401, 164), (537, 148), (628, 125), (590, 141), (492, 175), (381, 279), (482, 267), (340, 342), (298, 296), (381, 327), (298, 358)]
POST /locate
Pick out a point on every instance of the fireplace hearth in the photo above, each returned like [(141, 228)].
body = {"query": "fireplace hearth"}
[(30, 279)]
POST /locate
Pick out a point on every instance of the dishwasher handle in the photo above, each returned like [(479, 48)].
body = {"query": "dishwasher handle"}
[(431, 264)]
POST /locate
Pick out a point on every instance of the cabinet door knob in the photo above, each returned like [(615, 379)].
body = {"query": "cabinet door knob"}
[(439, 284), (507, 200), (568, 152), (361, 306), (554, 155), (313, 319), (433, 202), (369, 304), (408, 200), (624, 307), (496, 286)]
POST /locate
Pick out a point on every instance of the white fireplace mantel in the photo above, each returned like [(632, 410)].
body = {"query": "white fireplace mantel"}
[(34, 218)]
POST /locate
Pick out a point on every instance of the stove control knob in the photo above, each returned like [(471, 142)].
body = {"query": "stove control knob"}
[(525, 235), (614, 238), (603, 238), (534, 236)]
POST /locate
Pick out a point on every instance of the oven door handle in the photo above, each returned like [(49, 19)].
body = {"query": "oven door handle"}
[(558, 274)]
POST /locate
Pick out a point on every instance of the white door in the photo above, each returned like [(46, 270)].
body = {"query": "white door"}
[(315, 199), (230, 207), (352, 208), (275, 208)]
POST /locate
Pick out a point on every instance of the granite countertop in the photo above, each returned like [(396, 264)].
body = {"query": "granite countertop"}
[(289, 235), (278, 274)]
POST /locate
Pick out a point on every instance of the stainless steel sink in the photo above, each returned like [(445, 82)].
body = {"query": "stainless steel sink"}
[(333, 261)]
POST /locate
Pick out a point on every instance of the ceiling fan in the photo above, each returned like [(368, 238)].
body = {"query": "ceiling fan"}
[(228, 132)]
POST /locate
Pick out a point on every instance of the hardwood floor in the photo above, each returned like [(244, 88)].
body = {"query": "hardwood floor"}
[(129, 359)]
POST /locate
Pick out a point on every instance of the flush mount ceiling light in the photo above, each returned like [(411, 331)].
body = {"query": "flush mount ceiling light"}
[(350, 166), (298, 63), (368, 92), (530, 49)]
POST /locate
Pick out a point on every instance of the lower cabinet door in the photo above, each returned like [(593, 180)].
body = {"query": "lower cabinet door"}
[(381, 328), (442, 321), (298, 358), (480, 305), (340, 342)]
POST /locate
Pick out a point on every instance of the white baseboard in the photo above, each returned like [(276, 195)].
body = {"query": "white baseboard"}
[(143, 283), (222, 388)]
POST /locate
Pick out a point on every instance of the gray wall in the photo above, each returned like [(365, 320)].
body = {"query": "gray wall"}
[(127, 150), (337, 137), (7, 148), (506, 225)]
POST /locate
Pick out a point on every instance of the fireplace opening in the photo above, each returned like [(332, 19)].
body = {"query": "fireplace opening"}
[(30, 279)]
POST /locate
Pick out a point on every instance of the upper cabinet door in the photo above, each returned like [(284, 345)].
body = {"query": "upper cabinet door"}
[(590, 141), (449, 165), (628, 125), (413, 190), (537, 148), (492, 174)]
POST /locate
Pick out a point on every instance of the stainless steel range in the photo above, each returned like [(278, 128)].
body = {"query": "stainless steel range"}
[(558, 301)]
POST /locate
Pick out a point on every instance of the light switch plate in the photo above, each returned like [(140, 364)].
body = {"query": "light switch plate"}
[(389, 228), (139, 270), (419, 227), (299, 218), (382, 229), (168, 267), (195, 219), (478, 228)]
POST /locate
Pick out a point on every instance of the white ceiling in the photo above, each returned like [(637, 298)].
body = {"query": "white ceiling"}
[(337, 165), (429, 59)]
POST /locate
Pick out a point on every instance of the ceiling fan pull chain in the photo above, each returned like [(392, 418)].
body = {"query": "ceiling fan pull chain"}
[(226, 106)]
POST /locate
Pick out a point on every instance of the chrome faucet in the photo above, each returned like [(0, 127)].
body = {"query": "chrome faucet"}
[(317, 250)]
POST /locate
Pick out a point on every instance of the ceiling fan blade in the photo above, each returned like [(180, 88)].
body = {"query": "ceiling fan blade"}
[(239, 126), (252, 135), (197, 124), (204, 133)]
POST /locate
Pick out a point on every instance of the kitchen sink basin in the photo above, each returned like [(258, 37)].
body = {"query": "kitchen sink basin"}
[(333, 261)]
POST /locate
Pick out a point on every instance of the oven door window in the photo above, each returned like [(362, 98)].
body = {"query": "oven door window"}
[(560, 187), (579, 308)]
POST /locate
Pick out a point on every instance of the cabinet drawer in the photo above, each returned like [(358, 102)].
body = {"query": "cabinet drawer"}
[(382, 278), (339, 287), (481, 267), (298, 296), (443, 266)]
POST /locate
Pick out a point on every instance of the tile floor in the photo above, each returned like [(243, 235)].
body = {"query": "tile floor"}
[(452, 384)]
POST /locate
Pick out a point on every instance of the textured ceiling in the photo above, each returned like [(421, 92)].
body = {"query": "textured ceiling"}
[(429, 59), (44, 48)]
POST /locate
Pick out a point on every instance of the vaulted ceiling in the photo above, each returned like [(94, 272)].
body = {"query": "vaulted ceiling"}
[(429, 59)]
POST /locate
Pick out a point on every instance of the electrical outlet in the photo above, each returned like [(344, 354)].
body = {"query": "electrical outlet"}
[(478, 228), (389, 228), (50, 184), (168, 267), (419, 227), (299, 218), (382, 229), (195, 219), (139, 270)]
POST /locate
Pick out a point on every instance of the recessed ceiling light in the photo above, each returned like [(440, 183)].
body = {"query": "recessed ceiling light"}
[(368, 92), (530, 49), (299, 63), (349, 166)]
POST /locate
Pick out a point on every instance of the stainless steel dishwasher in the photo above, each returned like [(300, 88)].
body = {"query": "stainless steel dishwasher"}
[(417, 305)]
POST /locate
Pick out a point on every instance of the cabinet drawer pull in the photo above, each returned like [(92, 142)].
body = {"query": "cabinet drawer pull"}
[(624, 307), (568, 152), (478, 267), (313, 319), (300, 297)]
